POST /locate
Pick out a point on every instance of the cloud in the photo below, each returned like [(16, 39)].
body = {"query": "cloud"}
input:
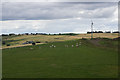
[(56, 10), (55, 17), (59, 0), (57, 26)]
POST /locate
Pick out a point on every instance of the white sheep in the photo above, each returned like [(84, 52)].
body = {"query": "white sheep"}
[(66, 45), (72, 45), (31, 48), (77, 45)]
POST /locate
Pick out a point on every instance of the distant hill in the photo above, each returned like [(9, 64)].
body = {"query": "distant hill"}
[(18, 40)]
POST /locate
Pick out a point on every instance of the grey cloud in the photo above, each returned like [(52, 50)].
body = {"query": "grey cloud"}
[(56, 26), (55, 10), (60, 0)]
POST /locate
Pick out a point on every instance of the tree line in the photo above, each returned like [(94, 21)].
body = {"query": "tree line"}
[(103, 32), (13, 34)]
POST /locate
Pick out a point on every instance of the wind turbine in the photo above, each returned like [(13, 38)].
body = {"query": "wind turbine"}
[(91, 29)]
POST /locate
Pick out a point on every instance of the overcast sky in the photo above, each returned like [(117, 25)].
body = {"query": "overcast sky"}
[(56, 17)]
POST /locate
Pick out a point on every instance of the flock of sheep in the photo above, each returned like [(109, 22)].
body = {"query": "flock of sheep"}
[(66, 46), (75, 45)]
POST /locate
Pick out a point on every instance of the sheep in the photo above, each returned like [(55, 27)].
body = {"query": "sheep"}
[(77, 45), (52, 46), (31, 48), (66, 45), (72, 45)]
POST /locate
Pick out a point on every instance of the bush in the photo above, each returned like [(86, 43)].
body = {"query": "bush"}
[(84, 39), (3, 43), (38, 42), (46, 41), (33, 43), (8, 44)]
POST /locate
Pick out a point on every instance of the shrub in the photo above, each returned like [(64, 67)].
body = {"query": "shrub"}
[(84, 39), (46, 41), (38, 42), (33, 43), (3, 43), (8, 44)]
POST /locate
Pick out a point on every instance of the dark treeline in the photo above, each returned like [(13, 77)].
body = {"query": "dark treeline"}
[(12, 34), (67, 34), (103, 32), (72, 34)]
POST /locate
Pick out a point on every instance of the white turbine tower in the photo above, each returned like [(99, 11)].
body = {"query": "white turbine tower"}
[(91, 29)]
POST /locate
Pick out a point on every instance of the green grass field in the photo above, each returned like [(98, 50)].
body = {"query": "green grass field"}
[(86, 61)]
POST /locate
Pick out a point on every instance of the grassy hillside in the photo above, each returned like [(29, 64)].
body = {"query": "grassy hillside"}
[(92, 59), (16, 41)]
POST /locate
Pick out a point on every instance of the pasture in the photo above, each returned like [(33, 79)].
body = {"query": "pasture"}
[(16, 41), (91, 59)]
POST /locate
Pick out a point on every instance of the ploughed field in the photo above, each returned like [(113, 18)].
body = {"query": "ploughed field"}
[(81, 58)]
